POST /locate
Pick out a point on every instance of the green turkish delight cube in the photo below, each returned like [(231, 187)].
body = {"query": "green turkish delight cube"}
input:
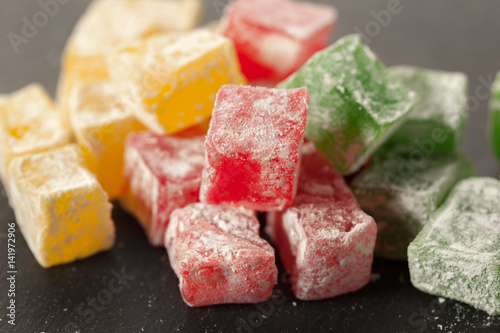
[(441, 111), (401, 188), (354, 106), (457, 254)]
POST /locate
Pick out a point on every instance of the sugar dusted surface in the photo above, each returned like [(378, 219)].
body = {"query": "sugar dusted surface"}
[(169, 157), (96, 104), (156, 59), (298, 20), (325, 241), (442, 95), (170, 81), (354, 106), (254, 140), (259, 121), (351, 70), (457, 254), (110, 23), (401, 199), (273, 39), (430, 177), (217, 229), (218, 255), (179, 49), (30, 123), (54, 171), (470, 219), (319, 179), (61, 209), (163, 173)]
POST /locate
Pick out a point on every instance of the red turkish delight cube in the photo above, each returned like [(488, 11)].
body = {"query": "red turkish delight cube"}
[(274, 38), (325, 241), (252, 147), (218, 255), (162, 173)]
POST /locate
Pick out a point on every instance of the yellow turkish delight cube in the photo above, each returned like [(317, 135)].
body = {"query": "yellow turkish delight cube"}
[(60, 208), (109, 23), (171, 80), (101, 123), (29, 123)]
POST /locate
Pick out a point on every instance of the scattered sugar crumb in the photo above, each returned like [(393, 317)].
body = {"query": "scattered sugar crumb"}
[(294, 303)]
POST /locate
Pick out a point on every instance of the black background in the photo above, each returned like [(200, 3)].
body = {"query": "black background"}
[(448, 34)]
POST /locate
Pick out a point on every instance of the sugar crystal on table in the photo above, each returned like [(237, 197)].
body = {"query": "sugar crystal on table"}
[(170, 81), (162, 173), (252, 147), (218, 255), (108, 24), (29, 123), (101, 122), (457, 254), (355, 106), (324, 239), (437, 121), (401, 188), (61, 209), (274, 38)]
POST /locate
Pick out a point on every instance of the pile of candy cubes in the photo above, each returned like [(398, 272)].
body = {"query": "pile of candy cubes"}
[(194, 130)]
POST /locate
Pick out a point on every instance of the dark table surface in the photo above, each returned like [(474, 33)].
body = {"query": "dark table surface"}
[(454, 35)]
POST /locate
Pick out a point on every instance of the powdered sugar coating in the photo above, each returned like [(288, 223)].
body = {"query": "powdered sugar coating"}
[(354, 106), (61, 209), (170, 81), (218, 255), (101, 122), (457, 254), (442, 104), (401, 195), (29, 123), (60, 170), (325, 241), (154, 61), (110, 23), (299, 20), (96, 104), (274, 38), (252, 147), (163, 173)]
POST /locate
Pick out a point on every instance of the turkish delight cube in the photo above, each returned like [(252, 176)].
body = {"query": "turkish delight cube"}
[(60, 208), (355, 104), (252, 147), (170, 81), (101, 122), (324, 239), (457, 254), (218, 255), (274, 38), (162, 173)]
